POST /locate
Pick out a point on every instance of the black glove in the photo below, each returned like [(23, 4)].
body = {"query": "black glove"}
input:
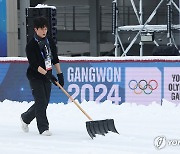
[(61, 79), (51, 78)]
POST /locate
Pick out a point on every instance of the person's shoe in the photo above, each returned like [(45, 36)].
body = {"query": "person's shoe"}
[(46, 133), (24, 126)]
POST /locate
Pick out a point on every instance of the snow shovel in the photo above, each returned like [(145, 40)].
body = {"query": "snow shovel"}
[(100, 127)]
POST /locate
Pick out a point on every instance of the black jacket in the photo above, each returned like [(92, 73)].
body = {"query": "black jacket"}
[(35, 58)]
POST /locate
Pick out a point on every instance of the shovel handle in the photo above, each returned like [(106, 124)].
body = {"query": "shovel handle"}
[(70, 97)]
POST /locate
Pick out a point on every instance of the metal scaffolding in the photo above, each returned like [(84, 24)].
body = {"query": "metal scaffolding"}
[(144, 30)]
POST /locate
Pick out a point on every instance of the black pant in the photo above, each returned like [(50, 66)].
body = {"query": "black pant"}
[(41, 91)]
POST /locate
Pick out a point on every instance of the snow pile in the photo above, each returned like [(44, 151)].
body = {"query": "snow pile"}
[(84, 58), (138, 126), (45, 6)]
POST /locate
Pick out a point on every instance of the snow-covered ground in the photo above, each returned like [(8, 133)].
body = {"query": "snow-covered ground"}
[(138, 126)]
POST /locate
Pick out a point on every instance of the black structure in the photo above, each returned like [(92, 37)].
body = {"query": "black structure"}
[(165, 51), (49, 13)]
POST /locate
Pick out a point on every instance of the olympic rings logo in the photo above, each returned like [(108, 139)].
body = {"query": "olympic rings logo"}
[(143, 86)]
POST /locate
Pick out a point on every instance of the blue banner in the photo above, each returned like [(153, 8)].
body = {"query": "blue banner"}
[(141, 82), (3, 29)]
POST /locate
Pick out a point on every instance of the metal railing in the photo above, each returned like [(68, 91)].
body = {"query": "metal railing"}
[(73, 17), (77, 17)]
